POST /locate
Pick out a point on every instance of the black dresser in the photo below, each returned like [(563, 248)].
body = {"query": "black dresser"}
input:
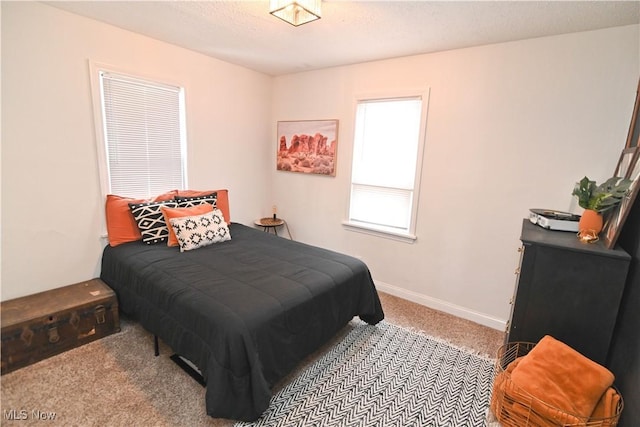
[(567, 289), (624, 356)]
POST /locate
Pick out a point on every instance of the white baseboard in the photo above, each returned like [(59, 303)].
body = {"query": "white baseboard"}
[(444, 306)]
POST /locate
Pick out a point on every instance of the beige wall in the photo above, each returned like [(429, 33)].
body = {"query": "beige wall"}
[(52, 208), (510, 127)]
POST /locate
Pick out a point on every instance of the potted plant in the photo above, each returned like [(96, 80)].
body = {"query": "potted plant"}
[(597, 199)]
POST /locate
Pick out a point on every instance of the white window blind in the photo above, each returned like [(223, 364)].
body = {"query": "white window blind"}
[(144, 138), (385, 160)]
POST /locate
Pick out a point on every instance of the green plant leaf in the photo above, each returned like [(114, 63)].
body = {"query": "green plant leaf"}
[(583, 191), (601, 197)]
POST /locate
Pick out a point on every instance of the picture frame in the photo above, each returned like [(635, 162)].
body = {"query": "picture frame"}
[(625, 161), (634, 128), (307, 146), (616, 219)]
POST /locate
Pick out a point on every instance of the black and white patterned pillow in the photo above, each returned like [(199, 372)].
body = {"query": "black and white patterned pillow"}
[(150, 220), (189, 202), (200, 230)]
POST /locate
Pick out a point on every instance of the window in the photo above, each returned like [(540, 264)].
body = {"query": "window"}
[(386, 164), (142, 141)]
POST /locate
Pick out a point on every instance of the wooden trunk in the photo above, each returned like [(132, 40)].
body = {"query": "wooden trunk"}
[(42, 325)]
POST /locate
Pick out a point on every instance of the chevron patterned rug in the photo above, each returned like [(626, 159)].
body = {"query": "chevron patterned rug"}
[(386, 375)]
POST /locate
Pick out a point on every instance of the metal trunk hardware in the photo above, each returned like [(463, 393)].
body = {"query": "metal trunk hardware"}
[(53, 335), (26, 336), (74, 320), (100, 314)]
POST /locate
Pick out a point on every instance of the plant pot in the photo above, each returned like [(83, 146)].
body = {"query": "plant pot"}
[(590, 222)]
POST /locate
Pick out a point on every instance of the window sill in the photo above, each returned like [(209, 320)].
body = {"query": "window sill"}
[(379, 232)]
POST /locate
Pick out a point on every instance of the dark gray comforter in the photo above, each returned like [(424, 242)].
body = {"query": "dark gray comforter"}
[(245, 311)]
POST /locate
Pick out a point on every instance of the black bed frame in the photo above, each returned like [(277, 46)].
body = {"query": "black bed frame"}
[(180, 361)]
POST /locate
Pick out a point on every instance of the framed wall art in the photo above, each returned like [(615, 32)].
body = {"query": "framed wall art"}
[(624, 163), (307, 146), (628, 167), (617, 217), (634, 127)]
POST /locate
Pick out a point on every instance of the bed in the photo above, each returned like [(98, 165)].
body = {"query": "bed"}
[(245, 311)]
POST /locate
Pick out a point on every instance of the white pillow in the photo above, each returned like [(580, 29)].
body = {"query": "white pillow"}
[(200, 230)]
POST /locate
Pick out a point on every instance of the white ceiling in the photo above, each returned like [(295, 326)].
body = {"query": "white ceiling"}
[(244, 33)]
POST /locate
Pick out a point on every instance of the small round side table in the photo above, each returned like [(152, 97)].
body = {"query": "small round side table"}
[(269, 224)]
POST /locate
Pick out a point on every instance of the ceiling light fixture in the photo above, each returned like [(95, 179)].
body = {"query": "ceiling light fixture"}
[(295, 12)]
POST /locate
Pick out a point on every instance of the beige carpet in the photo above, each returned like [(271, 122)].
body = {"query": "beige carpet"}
[(117, 381)]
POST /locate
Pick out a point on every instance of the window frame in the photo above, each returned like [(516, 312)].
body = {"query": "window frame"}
[(95, 68), (410, 236)]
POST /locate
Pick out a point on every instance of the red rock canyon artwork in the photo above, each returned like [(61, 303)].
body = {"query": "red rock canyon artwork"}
[(308, 146)]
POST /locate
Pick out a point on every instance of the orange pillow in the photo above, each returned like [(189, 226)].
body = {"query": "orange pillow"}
[(222, 202), (169, 213), (121, 226)]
